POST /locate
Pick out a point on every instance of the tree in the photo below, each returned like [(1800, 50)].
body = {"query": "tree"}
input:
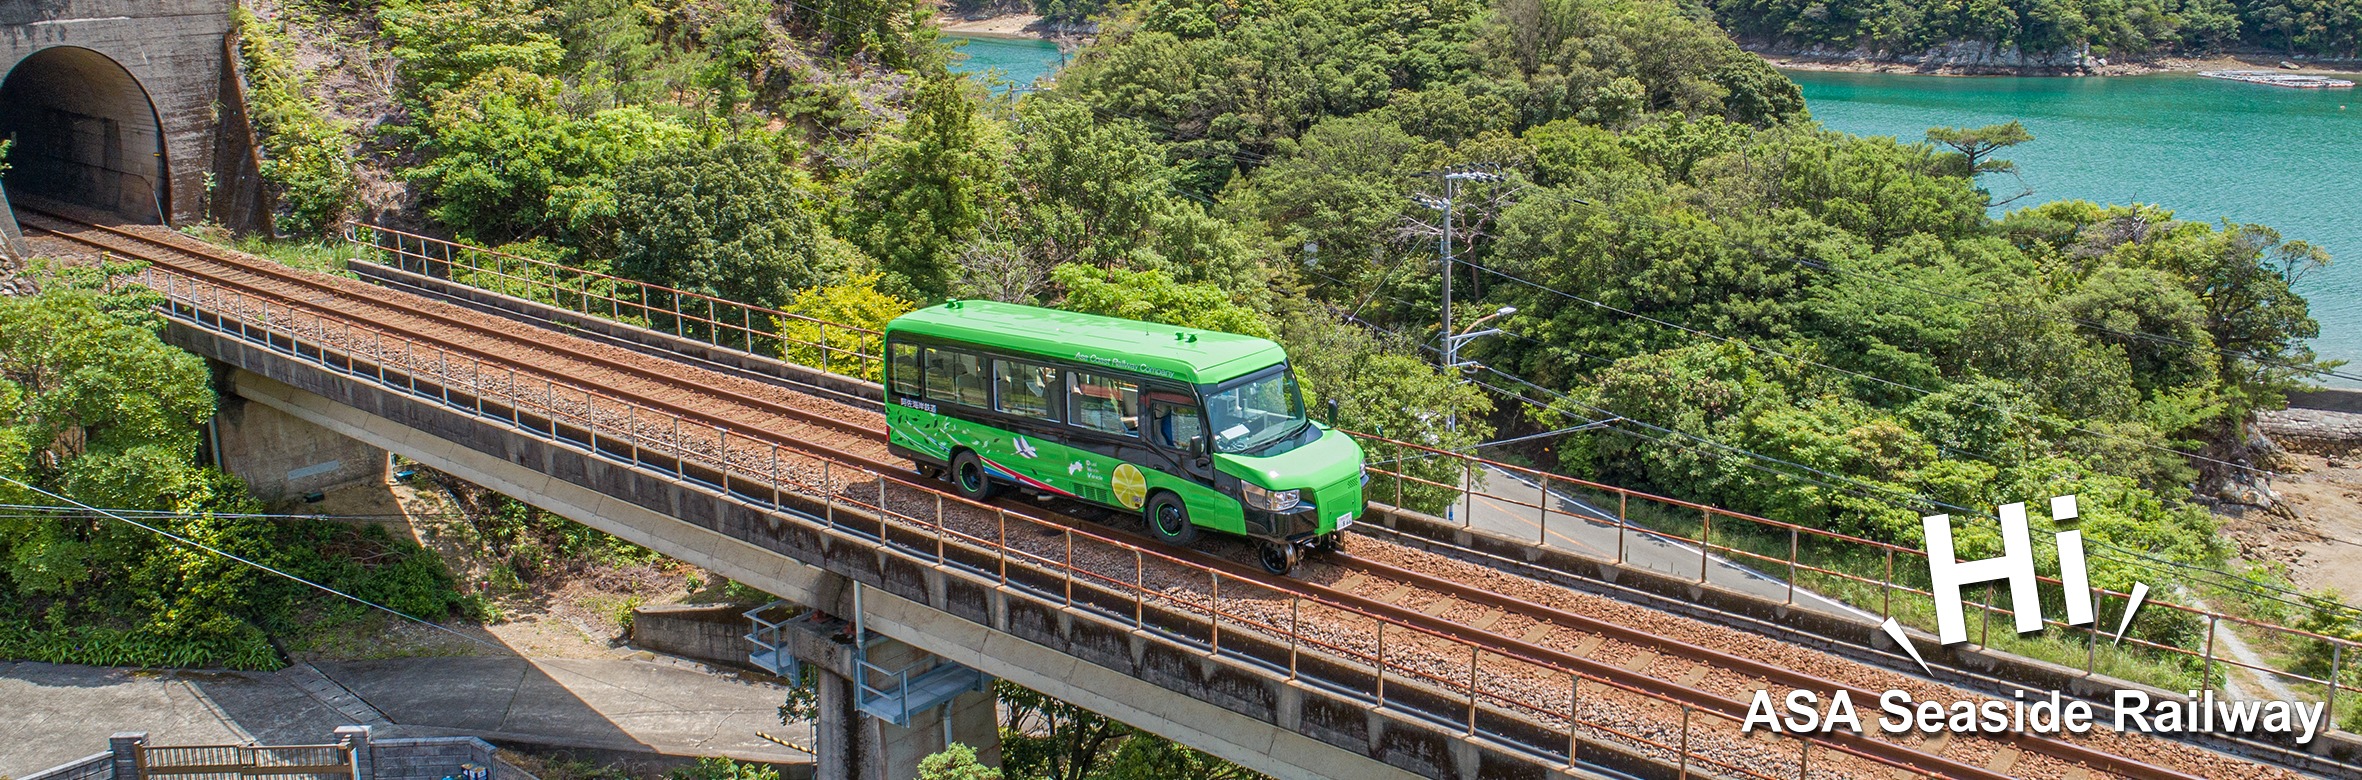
[(730, 221), (1154, 296), (923, 196), (1977, 145), (1045, 737), (956, 762), (856, 301), (719, 768), (96, 407)]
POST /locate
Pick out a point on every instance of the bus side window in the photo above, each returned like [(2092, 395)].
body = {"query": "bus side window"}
[(1023, 388), (905, 368), (1103, 404), (955, 377), (1176, 425)]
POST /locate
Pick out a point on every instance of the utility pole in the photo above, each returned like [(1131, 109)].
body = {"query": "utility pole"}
[(1452, 341)]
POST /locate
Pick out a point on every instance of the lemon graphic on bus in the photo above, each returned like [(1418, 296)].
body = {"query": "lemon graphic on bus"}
[(1130, 488)]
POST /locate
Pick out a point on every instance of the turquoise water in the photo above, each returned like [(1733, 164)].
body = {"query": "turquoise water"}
[(1019, 60), (2207, 149)]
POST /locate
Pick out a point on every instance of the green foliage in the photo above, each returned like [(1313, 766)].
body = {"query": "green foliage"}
[(719, 768), (306, 157), (511, 159), (1042, 737), (730, 221), (922, 197), (4, 146), (1154, 296), (95, 406), (956, 762), (858, 302)]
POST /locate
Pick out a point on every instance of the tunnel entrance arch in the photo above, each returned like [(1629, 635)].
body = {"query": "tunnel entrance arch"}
[(86, 132)]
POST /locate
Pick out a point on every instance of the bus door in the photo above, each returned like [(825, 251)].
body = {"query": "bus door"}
[(1178, 432)]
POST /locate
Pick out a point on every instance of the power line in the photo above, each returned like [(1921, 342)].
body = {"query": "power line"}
[(113, 514)]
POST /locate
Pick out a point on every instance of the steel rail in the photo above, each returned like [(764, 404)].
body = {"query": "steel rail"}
[(441, 373), (1503, 646), (290, 276), (2065, 751)]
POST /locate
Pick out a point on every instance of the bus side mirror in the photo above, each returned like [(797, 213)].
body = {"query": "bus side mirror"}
[(1332, 412)]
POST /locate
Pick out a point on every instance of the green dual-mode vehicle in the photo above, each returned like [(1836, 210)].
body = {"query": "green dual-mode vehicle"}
[(1193, 429)]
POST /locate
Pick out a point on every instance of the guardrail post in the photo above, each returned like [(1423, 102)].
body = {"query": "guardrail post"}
[(2337, 653), (1069, 561), (2206, 673), (1003, 546), (2091, 644), (1705, 542), (1792, 551), (1623, 521), (939, 559), (1574, 711), (1140, 590), (1213, 610), (1685, 741), (1473, 652), (1296, 626), (1381, 665), (1886, 586)]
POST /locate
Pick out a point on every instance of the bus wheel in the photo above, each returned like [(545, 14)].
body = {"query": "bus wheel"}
[(1168, 520), (1276, 557), (969, 478)]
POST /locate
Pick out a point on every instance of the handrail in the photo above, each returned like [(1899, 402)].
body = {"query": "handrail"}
[(749, 315), (734, 467), (1795, 566)]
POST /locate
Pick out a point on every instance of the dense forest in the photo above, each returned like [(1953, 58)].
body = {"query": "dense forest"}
[(2054, 29), (1766, 315)]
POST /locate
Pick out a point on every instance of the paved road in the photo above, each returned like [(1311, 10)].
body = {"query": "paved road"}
[(51, 714), (1591, 530)]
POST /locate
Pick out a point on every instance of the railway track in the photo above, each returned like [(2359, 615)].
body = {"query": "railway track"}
[(1509, 624)]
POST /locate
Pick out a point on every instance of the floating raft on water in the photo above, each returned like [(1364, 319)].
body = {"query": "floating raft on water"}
[(2279, 79)]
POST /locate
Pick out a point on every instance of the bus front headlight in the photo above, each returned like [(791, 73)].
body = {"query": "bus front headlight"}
[(1269, 500)]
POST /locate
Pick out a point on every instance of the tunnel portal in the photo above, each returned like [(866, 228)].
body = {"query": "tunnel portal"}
[(84, 131)]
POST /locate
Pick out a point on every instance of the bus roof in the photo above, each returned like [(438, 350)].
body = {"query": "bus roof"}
[(1186, 354)]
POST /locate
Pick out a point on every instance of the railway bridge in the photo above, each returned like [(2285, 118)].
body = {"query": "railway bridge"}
[(129, 106), (775, 475)]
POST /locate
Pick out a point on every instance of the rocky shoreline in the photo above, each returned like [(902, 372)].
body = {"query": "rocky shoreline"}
[(1017, 26), (1963, 59)]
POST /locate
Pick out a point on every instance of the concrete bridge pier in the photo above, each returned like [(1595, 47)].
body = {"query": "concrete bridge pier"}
[(281, 457), (883, 705)]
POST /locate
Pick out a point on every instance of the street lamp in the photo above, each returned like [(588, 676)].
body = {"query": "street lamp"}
[(1452, 363)]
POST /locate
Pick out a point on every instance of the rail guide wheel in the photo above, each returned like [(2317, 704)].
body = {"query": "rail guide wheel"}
[(1277, 557)]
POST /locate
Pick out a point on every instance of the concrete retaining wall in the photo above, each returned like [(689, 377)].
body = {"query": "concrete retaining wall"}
[(97, 766), (713, 633), (433, 759)]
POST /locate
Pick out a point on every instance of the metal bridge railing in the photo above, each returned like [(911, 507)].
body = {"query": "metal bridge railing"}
[(831, 347), (1884, 570), (1860, 572), (1400, 668)]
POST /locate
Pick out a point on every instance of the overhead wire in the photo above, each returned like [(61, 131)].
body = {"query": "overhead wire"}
[(188, 542)]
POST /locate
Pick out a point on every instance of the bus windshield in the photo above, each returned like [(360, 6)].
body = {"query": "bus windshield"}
[(1256, 410)]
